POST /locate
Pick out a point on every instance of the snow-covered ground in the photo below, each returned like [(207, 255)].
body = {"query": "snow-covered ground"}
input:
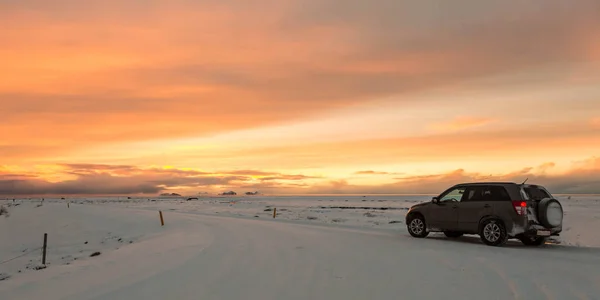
[(342, 247)]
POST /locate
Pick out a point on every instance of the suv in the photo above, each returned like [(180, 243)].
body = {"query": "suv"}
[(496, 211)]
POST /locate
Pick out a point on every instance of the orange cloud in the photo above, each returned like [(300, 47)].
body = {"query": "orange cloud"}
[(588, 164), (97, 179), (92, 179), (551, 141), (370, 172), (545, 167), (462, 122), (112, 71), (583, 177)]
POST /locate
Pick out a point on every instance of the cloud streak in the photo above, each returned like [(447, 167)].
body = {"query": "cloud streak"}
[(371, 172), (100, 179), (582, 178), (91, 179), (462, 122)]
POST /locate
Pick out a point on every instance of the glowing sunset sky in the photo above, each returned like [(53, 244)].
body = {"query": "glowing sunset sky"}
[(290, 96)]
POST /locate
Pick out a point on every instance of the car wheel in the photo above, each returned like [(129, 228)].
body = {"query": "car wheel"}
[(416, 226), (453, 234), (532, 240), (493, 232)]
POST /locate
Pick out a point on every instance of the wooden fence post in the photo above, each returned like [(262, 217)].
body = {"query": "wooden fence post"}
[(44, 249), (162, 221), (274, 212)]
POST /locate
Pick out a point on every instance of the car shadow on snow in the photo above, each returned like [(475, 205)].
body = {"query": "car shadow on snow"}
[(472, 239), (512, 243)]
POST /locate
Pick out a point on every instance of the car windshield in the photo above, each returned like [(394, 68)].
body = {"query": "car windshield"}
[(454, 195)]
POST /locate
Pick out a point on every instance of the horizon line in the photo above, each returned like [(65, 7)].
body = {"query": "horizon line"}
[(32, 197)]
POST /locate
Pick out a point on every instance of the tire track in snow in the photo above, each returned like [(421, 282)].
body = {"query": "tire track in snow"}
[(510, 284), (543, 288), (578, 294)]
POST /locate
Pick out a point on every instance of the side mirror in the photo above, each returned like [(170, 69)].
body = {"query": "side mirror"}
[(435, 200)]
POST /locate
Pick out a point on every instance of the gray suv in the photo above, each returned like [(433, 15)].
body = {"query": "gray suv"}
[(496, 211)]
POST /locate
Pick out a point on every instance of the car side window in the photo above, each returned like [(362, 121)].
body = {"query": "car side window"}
[(473, 194), (494, 193), (454, 195)]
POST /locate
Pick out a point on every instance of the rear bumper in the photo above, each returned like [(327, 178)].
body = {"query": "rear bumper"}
[(534, 230)]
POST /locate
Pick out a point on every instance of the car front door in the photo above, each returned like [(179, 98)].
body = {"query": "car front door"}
[(476, 204), (444, 212)]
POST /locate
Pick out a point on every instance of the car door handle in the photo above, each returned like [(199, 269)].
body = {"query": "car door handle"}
[(487, 206), (454, 206)]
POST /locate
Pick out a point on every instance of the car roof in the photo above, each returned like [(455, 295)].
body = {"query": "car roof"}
[(486, 183)]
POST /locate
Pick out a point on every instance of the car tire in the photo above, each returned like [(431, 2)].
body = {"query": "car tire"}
[(493, 232), (453, 234), (532, 241), (416, 226), (550, 213)]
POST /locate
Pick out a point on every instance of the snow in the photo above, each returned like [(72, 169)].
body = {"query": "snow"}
[(315, 248)]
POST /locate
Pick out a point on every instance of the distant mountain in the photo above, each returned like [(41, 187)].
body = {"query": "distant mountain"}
[(252, 193), (230, 193), (170, 195)]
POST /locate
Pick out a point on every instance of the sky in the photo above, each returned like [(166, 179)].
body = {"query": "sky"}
[(132, 97)]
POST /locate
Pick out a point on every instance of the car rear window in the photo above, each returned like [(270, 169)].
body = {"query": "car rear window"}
[(535, 193)]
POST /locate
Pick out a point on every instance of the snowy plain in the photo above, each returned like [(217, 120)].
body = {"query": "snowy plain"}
[(318, 247)]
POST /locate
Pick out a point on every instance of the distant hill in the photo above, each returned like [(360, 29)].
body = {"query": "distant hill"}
[(170, 195)]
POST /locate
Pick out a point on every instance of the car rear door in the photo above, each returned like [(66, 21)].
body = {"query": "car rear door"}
[(533, 194), (476, 204)]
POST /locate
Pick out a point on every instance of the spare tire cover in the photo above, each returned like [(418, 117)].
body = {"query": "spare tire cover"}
[(550, 213)]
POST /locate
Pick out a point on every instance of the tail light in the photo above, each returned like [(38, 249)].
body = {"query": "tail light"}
[(520, 207)]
